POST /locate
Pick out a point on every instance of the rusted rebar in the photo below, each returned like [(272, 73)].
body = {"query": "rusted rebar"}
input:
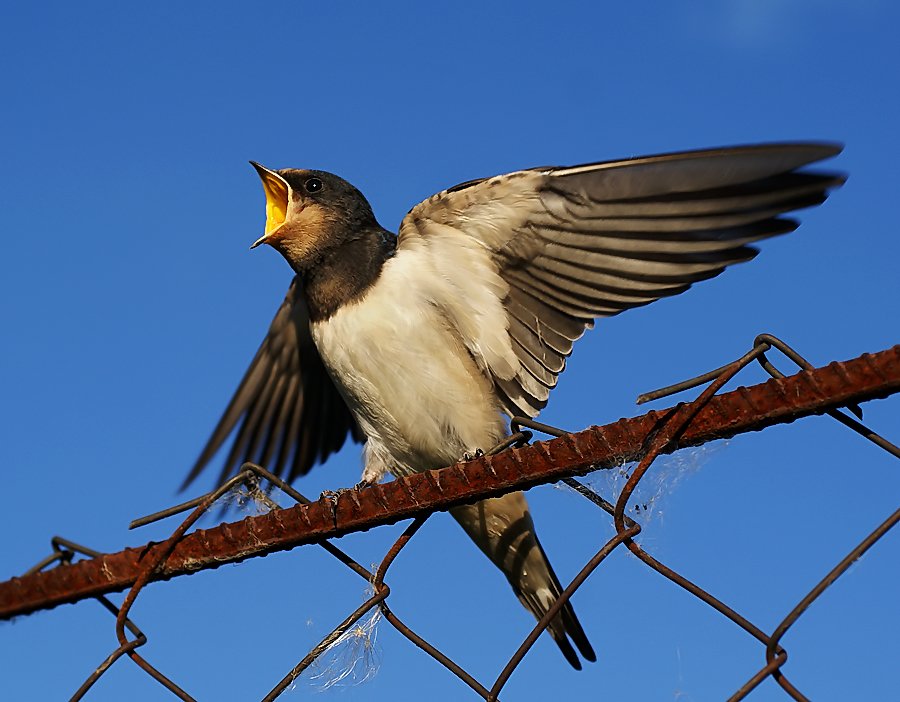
[(745, 409)]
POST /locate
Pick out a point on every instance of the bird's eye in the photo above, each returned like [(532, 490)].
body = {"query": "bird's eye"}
[(313, 185)]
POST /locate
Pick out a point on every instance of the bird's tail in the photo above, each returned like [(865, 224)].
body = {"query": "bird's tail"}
[(502, 528)]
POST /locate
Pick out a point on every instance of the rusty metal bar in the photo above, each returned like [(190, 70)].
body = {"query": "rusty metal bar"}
[(871, 376)]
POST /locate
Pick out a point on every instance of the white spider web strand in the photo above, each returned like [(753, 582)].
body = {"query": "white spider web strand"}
[(352, 659), (663, 478)]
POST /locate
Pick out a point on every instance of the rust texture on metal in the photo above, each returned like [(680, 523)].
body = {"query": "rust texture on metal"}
[(816, 391), (833, 391)]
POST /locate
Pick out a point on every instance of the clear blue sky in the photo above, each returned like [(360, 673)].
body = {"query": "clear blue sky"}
[(130, 306)]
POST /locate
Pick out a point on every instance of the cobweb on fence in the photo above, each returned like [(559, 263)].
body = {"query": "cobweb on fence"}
[(246, 501), (650, 500), (353, 658)]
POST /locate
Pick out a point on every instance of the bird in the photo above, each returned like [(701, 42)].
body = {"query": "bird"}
[(423, 343)]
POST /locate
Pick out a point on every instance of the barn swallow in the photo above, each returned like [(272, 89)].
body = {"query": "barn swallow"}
[(422, 343)]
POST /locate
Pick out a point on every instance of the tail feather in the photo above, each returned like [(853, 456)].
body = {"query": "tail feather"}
[(565, 623), (503, 529)]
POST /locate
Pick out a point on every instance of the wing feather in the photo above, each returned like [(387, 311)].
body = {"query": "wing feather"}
[(576, 243), (286, 414)]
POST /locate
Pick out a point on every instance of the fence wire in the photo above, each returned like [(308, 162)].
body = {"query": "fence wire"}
[(833, 390)]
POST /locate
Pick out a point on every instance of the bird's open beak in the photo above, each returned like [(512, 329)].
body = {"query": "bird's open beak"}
[(277, 198)]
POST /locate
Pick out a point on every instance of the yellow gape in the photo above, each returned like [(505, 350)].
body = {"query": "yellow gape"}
[(276, 200)]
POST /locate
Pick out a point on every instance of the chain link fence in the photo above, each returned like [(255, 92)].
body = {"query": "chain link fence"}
[(73, 572)]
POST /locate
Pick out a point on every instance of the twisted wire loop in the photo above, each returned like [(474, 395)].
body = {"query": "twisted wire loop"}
[(64, 551), (661, 432)]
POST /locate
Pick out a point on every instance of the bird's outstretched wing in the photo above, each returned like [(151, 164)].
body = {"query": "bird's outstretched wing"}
[(549, 250), (288, 412)]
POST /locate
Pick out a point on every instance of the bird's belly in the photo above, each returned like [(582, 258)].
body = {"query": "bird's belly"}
[(409, 381)]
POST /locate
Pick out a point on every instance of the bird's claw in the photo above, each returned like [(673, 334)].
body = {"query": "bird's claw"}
[(334, 495), (331, 496), (471, 457)]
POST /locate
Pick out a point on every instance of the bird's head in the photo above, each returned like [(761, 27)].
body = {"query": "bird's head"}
[(309, 213)]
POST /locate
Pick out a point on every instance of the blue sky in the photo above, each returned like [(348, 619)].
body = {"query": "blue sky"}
[(130, 306)]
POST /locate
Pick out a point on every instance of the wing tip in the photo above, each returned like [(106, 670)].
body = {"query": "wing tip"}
[(816, 149)]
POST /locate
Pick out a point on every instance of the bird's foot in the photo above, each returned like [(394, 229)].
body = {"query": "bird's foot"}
[(471, 457), (353, 493), (332, 496)]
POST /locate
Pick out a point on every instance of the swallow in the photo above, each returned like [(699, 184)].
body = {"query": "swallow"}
[(423, 343)]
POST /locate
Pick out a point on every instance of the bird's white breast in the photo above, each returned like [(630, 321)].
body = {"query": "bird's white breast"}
[(406, 374)]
